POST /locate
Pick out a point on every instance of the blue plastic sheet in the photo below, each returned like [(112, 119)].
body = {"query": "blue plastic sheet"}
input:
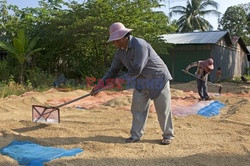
[(211, 110), (31, 154)]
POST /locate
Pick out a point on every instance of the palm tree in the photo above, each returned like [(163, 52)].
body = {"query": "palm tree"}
[(192, 15), (21, 49)]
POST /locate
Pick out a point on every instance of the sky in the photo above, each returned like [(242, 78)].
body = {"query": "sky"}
[(223, 5)]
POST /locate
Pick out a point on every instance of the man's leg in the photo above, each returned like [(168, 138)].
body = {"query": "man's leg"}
[(199, 88), (204, 87), (163, 109), (139, 110)]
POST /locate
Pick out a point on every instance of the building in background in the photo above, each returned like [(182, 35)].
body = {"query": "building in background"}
[(230, 55)]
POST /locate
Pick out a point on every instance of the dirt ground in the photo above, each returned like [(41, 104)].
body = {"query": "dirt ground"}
[(100, 124)]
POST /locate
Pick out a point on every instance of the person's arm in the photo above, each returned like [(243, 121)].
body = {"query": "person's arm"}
[(116, 66), (193, 64), (139, 62), (204, 75)]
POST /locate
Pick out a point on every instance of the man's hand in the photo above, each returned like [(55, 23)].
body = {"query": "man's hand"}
[(94, 91), (185, 70), (202, 78)]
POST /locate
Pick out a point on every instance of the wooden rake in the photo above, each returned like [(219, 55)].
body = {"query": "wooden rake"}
[(51, 114)]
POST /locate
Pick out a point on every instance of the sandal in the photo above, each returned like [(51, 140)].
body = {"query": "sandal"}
[(166, 141), (208, 98), (131, 140), (201, 99)]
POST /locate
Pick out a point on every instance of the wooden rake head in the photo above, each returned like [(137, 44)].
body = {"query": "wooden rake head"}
[(43, 114)]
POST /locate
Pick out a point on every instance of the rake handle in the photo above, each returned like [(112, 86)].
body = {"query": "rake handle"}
[(74, 100), (81, 97)]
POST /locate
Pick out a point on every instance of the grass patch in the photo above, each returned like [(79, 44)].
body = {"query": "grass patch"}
[(12, 88)]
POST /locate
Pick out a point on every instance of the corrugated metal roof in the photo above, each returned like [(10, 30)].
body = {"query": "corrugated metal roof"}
[(209, 37)]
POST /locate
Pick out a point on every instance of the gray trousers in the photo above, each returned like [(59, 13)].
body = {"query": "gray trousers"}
[(140, 110), (202, 88)]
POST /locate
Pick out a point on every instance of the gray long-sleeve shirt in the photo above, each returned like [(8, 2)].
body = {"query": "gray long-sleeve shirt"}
[(144, 66)]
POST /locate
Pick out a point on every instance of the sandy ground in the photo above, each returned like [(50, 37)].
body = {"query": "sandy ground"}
[(102, 122)]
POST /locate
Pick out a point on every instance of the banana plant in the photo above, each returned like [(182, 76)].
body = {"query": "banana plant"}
[(21, 48)]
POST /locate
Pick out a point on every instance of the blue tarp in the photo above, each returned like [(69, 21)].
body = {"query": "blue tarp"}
[(31, 154), (211, 110)]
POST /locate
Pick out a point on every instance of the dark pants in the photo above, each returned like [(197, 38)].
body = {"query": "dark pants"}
[(202, 89)]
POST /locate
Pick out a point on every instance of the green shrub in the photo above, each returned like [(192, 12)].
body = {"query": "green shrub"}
[(11, 88), (4, 71), (39, 79)]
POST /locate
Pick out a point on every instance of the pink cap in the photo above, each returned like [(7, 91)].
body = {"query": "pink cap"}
[(208, 64), (117, 31)]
